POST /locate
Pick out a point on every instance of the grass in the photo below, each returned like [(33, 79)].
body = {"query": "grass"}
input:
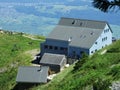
[(12, 55), (98, 72), (11, 46)]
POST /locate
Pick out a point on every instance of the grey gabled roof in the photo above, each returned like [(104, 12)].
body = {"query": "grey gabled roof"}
[(82, 23), (54, 59), (32, 74), (83, 33)]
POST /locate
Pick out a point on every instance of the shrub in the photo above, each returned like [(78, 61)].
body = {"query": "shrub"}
[(102, 84), (80, 62), (115, 72)]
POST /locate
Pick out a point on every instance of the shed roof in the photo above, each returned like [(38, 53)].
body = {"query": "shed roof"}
[(32, 74), (80, 32), (54, 59)]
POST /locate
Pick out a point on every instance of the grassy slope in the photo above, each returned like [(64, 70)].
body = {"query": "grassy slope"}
[(105, 68), (12, 55), (100, 69)]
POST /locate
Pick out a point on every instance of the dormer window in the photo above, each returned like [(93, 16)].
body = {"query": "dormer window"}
[(81, 36), (80, 23), (84, 36), (73, 22), (91, 33)]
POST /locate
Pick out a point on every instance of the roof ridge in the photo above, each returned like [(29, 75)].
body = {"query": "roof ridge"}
[(81, 27), (83, 19)]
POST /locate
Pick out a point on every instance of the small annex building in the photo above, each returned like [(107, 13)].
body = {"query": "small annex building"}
[(32, 74), (73, 36), (55, 61)]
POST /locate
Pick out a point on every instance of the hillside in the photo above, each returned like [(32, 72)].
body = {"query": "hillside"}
[(13, 54), (100, 71)]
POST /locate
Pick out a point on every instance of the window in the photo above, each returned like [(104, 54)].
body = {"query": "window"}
[(50, 47), (81, 52), (55, 48), (104, 39), (61, 48), (65, 49), (46, 46), (95, 50), (95, 42), (91, 51), (106, 30), (74, 53)]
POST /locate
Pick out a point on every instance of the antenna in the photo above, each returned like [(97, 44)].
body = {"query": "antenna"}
[(70, 39), (40, 68)]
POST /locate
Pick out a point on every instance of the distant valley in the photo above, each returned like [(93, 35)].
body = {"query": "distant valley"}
[(40, 17)]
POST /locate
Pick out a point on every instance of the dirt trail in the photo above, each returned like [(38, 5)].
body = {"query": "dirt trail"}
[(31, 37), (33, 52)]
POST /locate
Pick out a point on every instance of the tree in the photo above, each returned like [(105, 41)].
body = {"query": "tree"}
[(106, 5), (79, 64)]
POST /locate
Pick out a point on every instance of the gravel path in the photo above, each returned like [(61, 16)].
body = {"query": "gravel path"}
[(33, 52), (32, 38)]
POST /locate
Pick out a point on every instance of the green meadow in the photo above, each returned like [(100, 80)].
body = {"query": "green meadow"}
[(98, 71), (13, 54)]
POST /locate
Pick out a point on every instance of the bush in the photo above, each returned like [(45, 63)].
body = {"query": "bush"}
[(115, 72), (80, 62), (112, 50), (102, 84)]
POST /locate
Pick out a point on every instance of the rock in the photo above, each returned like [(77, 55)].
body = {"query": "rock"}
[(115, 85)]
